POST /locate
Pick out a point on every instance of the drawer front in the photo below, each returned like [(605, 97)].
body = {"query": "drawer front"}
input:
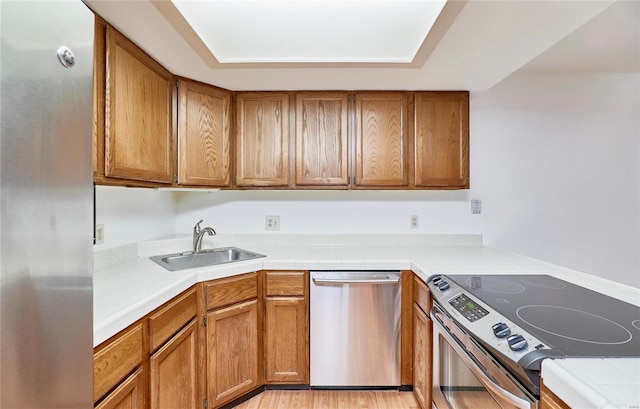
[(112, 363), (171, 318), (227, 291), (285, 283), (421, 295)]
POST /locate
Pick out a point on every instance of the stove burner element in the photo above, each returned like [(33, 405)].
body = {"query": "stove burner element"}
[(494, 285), (573, 324), (545, 282), (636, 324)]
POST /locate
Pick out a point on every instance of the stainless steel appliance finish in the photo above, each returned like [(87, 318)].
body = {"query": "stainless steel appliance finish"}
[(46, 324), (492, 332), (355, 329), (463, 372)]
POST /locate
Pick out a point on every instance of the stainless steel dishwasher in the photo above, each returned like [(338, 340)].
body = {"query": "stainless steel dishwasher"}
[(355, 329)]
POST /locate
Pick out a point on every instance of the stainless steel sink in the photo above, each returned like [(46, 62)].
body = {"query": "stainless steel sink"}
[(204, 258)]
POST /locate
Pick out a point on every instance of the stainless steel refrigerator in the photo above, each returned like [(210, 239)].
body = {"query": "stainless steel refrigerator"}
[(46, 209)]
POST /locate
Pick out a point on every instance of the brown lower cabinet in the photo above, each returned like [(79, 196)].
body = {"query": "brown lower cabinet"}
[(173, 376), (286, 327), (232, 313), (224, 338), (422, 335), (232, 352), (128, 395)]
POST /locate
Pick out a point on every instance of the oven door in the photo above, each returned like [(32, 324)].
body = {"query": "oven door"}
[(466, 376)]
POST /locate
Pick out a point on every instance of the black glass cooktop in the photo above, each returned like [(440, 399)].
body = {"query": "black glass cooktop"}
[(574, 320)]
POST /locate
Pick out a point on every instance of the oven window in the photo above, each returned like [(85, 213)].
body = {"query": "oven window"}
[(459, 385)]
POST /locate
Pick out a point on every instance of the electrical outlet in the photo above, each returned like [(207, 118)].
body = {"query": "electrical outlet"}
[(99, 233), (476, 206), (413, 221), (272, 223)]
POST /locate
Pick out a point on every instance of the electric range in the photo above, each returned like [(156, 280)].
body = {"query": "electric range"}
[(523, 319)]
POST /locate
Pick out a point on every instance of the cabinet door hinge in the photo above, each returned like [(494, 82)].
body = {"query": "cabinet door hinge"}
[(175, 178), (204, 320), (176, 82), (205, 403)]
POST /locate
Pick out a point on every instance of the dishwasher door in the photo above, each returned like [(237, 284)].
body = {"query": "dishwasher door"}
[(355, 329)]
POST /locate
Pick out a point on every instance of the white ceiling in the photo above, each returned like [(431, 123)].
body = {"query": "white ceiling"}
[(473, 46), (327, 31)]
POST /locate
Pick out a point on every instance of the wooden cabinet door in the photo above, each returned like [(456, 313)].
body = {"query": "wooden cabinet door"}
[(441, 139), (128, 395), (422, 357), (286, 340), (232, 352), (321, 139), (380, 136), (204, 138), (173, 379), (138, 120), (262, 139)]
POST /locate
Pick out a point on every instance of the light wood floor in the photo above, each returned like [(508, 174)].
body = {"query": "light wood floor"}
[(322, 399)]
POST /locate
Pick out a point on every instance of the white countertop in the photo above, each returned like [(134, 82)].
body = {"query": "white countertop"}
[(127, 285), (594, 383)]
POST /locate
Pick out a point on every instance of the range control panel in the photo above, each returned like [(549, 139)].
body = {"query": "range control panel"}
[(497, 331), (468, 308)]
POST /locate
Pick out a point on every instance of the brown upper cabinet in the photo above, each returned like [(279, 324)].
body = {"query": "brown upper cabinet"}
[(381, 139), (321, 139), (441, 139), (278, 140), (262, 140), (204, 135), (138, 117)]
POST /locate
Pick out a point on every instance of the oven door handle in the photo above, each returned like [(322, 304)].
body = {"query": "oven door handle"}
[(496, 390)]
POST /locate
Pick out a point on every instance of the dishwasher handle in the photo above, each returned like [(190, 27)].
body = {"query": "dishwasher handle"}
[(385, 280)]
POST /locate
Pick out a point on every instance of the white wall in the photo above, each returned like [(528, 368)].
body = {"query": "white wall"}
[(321, 212), (555, 160), (132, 215)]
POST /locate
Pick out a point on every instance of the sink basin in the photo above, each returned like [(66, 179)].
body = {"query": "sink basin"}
[(204, 258)]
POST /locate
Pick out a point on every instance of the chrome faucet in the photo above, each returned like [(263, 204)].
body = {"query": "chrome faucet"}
[(198, 234)]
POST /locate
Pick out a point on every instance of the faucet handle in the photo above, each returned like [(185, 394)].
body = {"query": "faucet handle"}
[(196, 228)]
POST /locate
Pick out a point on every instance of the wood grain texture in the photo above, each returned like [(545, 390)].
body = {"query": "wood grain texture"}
[(173, 374), (130, 394), (164, 323), (422, 357), (138, 118), (332, 399), (380, 137), (232, 352), (406, 328), (441, 139), (99, 90), (421, 294), (231, 290), (202, 342), (321, 139), (279, 283), (118, 358), (262, 139), (549, 400), (286, 340), (204, 135)]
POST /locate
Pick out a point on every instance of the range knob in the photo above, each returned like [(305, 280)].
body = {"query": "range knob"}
[(436, 280), (443, 286), (517, 342), (501, 330)]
